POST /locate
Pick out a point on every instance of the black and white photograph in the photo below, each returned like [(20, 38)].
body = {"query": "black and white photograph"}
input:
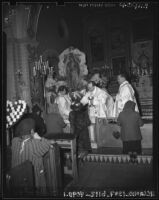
[(80, 100)]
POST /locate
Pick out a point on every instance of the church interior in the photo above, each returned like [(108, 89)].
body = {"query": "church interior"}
[(107, 38)]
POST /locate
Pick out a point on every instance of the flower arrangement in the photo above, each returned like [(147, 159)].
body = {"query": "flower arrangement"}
[(14, 112)]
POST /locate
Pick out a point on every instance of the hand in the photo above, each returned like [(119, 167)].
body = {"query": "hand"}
[(36, 136), (52, 146)]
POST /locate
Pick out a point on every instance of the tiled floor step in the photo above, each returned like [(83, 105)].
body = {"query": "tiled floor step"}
[(122, 158)]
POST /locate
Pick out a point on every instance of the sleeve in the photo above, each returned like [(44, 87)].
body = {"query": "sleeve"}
[(85, 99), (100, 98), (125, 95), (71, 117), (42, 126), (104, 98), (119, 120), (40, 147), (141, 123)]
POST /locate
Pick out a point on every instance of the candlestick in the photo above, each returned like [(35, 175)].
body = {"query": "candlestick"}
[(41, 60)]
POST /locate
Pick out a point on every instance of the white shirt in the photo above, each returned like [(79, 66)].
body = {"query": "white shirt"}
[(64, 103), (98, 109), (125, 93)]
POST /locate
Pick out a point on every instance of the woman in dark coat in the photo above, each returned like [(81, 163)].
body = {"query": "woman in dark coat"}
[(130, 122), (79, 121), (54, 122)]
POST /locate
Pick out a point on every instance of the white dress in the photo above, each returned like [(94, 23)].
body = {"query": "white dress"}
[(125, 93), (64, 103)]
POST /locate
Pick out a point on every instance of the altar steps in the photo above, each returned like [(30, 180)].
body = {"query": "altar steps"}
[(121, 158)]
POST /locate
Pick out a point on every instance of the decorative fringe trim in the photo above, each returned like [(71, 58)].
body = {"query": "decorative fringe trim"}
[(141, 159)]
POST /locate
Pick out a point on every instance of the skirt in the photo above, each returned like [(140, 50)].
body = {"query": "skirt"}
[(132, 146)]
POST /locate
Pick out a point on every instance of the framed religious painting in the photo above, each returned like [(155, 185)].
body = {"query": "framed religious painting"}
[(118, 64)]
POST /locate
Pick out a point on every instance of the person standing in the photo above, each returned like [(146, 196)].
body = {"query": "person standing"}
[(130, 122), (100, 82), (79, 120), (96, 98), (125, 93), (64, 102)]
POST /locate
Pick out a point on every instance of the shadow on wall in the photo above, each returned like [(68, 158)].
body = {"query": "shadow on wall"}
[(57, 29)]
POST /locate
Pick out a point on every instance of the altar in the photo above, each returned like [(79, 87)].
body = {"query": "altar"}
[(106, 138)]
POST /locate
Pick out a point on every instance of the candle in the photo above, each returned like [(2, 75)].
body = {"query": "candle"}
[(34, 71), (41, 59), (39, 66)]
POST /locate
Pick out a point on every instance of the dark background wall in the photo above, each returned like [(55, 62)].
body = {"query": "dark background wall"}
[(59, 28)]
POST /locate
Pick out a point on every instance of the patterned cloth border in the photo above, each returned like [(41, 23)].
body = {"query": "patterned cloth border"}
[(141, 159)]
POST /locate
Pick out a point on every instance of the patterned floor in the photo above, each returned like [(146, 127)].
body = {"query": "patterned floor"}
[(141, 159), (95, 176), (114, 155)]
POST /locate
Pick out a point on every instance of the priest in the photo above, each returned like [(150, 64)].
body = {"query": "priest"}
[(125, 93), (97, 100)]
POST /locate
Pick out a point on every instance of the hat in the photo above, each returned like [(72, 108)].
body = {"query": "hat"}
[(129, 105), (36, 108), (14, 112), (25, 127)]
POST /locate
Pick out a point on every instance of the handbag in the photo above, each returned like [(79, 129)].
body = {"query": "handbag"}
[(116, 134)]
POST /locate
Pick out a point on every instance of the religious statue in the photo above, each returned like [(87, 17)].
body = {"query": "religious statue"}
[(72, 66)]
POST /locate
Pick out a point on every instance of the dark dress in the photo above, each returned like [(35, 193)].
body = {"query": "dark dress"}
[(80, 121), (54, 124), (130, 122)]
